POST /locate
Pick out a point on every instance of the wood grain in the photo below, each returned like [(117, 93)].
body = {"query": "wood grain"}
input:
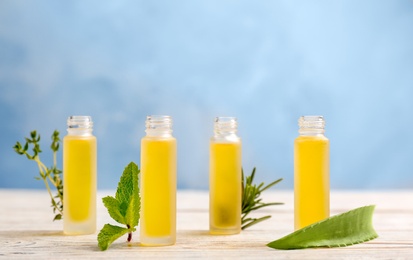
[(27, 230)]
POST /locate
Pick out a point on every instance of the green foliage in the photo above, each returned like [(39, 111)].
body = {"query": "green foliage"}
[(113, 207), (251, 199), (124, 208), (51, 176), (110, 233), (349, 228)]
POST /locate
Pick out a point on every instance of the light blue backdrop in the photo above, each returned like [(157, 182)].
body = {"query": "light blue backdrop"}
[(266, 62)]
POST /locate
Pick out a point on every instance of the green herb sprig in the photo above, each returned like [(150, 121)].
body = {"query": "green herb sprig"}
[(51, 176), (251, 199), (124, 208)]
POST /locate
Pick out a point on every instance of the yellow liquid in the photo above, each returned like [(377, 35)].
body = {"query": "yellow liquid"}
[(158, 191), (225, 188), (79, 179), (311, 180)]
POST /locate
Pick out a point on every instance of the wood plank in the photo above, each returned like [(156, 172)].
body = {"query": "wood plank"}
[(27, 230)]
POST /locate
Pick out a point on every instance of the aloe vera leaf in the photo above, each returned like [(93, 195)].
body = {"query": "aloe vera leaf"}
[(349, 228)]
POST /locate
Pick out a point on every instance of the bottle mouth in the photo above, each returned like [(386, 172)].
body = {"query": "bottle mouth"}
[(80, 122), (225, 124), (158, 123), (311, 123)]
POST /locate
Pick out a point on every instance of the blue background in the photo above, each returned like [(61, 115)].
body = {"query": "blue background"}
[(265, 62)]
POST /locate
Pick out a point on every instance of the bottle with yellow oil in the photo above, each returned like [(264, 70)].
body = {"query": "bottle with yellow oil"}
[(158, 183), (79, 177), (225, 178), (311, 172)]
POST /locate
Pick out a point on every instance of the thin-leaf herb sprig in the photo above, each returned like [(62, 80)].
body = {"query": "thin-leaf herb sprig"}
[(51, 176), (251, 199)]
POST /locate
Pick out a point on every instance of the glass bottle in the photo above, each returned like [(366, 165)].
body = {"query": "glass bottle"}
[(225, 178), (79, 177), (158, 183), (311, 172)]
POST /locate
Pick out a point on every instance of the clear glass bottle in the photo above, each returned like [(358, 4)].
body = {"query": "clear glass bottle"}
[(225, 178), (79, 177), (158, 183), (311, 172)]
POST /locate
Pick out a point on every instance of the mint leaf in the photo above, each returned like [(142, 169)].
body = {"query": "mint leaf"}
[(113, 207), (124, 208), (128, 195), (133, 211), (126, 183), (349, 228), (108, 234)]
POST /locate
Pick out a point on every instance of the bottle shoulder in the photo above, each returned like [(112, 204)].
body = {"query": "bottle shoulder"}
[(79, 137), (319, 138), (226, 139), (168, 138)]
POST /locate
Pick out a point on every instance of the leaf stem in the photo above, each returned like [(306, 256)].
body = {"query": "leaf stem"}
[(46, 183), (129, 233)]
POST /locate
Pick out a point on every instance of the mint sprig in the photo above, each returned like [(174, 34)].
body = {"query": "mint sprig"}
[(123, 208)]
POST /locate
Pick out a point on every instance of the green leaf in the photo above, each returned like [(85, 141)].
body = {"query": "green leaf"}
[(55, 136), (26, 147), (108, 234), (113, 207), (133, 212), (349, 228), (252, 221), (128, 194), (126, 183), (17, 146)]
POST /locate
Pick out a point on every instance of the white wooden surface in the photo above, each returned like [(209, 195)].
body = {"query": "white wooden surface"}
[(27, 230)]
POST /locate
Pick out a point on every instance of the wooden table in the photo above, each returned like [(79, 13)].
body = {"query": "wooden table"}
[(27, 230)]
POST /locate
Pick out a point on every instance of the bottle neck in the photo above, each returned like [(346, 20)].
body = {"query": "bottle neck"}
[(79, 125), (225, 126), (160, 126), (311, 125)]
